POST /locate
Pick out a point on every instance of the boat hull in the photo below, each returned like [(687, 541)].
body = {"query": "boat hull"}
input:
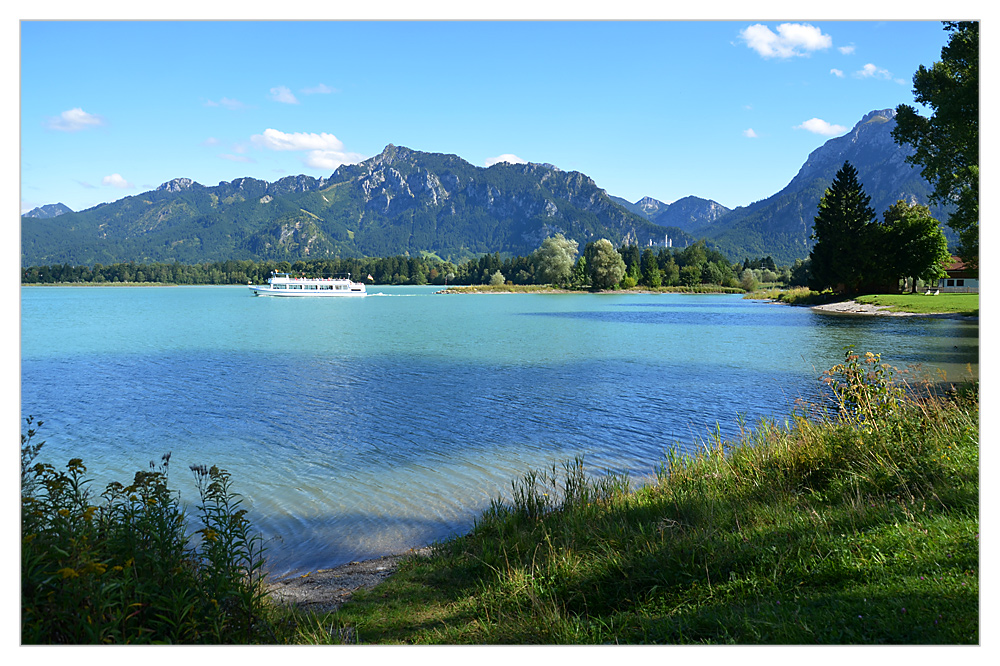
[(265, 290)]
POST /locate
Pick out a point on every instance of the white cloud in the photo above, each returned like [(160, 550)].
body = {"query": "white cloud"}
[(231, 104), (273, 139), (283, 95), (750, 134), (839, 73), (846, 50), (792, 39), (321, 89), (870, 71), (116, 180), (817, 126), (324, 151), (506, 157), (74, 120), (210, 141)]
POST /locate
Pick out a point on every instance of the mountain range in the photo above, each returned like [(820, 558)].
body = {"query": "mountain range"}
[(404, 201)]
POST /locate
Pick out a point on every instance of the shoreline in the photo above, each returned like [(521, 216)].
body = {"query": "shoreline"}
[(326, 590)]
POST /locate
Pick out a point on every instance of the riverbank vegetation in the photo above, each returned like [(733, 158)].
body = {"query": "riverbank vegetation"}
[(854, 526), (122, 568), (855, 522)]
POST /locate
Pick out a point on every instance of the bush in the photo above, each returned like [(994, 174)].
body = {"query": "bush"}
[(124, 570)]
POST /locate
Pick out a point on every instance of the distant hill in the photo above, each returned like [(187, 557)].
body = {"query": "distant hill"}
[(780, 225), (400, 201), (690, 214), (48, 211)]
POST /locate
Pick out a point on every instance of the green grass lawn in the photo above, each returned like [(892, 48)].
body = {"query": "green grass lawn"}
[(966, 304)]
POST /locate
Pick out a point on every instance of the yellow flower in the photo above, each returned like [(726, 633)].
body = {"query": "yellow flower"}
[(68, 572)]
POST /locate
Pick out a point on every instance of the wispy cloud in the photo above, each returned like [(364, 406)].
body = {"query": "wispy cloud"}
[(839, 73), (750, 134), (210, 141), (225, 102), (116, 180), (870, 71), (506, 157), (74, 120), (246, 159), (791, 39), (818, 126), (323, 151), (283, 95), (321, 89), (85, 184), (846, 50)]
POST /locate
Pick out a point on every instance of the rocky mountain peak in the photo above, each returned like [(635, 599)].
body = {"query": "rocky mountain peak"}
[(177, 185)]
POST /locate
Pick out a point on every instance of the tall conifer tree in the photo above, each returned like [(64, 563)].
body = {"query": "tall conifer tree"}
[(845, 231)]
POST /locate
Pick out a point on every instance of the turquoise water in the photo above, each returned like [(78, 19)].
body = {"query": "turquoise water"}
[(357, 427)]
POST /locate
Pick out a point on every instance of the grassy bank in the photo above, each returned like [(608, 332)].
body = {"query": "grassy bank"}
[(860, 527), (964, 304)]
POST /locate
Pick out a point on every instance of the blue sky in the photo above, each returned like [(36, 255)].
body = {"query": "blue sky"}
[(725, 110)]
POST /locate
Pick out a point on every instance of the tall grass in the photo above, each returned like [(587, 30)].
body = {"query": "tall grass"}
[(852, 522)]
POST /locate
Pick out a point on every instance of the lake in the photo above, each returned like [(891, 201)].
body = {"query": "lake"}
[(355, 428)]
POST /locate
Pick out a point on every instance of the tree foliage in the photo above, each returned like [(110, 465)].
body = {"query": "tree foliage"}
[(606, 266), (555, 259), (913, 245), (947, 143)]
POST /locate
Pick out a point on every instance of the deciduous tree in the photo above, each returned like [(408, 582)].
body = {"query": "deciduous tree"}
[(554, 260), (914, 245), (606, 266), (947, 143)]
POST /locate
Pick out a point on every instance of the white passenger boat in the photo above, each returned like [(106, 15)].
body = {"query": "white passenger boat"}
[(283, 284)]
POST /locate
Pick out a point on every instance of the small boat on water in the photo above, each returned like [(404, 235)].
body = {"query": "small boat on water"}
[(283, 284)]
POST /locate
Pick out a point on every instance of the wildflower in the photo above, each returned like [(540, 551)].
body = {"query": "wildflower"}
[(68, 572)]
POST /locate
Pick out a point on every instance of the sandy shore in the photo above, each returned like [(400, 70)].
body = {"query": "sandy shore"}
[(327, 590), (852, 307)]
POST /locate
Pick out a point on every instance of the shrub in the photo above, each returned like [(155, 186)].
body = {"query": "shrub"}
[(123, 569)]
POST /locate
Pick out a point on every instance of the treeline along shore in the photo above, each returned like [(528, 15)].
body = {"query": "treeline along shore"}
[(695, 265)]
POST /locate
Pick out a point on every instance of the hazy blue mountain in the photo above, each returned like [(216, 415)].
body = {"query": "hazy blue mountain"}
[(48, 211), (692, 214)]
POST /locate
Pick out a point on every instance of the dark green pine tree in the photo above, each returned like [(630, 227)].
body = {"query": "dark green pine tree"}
[(845, 231)]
